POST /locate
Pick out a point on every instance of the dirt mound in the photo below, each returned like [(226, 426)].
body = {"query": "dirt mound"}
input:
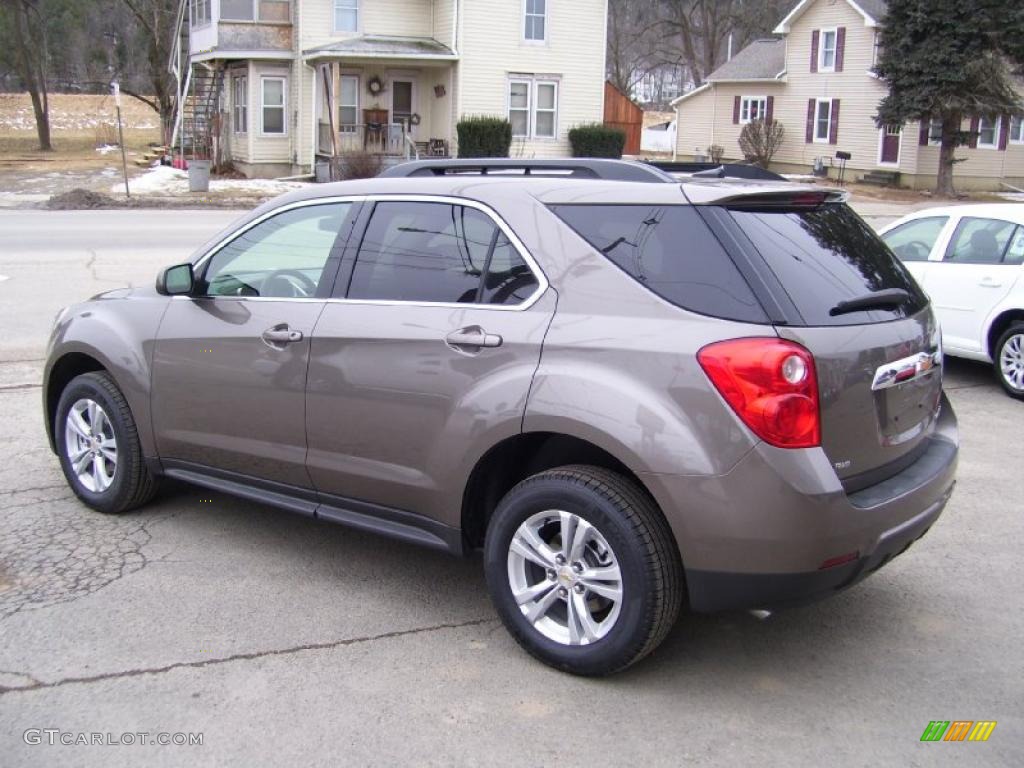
[(80, 198)]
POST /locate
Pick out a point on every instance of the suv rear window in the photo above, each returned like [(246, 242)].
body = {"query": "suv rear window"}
[(671, 251), (826, 255)]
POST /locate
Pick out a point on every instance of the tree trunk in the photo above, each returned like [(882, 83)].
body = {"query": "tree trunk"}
[(31, 66), (950, 140)]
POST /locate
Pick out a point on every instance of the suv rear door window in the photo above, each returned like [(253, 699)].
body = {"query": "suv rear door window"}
[(671, 251), (438, 252), (825, 255)]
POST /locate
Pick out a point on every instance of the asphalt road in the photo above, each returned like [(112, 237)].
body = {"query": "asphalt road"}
[(286, 641)]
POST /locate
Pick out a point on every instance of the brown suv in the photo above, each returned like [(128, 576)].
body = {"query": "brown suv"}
[(629, 393)]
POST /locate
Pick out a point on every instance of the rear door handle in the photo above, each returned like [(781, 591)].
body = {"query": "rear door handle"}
[(989, 282), (473, 336), (281, 334)]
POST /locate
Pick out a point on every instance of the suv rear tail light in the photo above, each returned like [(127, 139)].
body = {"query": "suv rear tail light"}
[(772, 386)]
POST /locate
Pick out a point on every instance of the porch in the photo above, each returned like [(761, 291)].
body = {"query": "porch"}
[(386, 98)]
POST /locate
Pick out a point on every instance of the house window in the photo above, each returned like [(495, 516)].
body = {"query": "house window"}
[(533, 108), (240, 104), (346, 15), (827, 52), (752, 108), (536, 20), (935, 132), (822, 120), (988, 132), (348, 102), (519, 107), (1017, 129), (237, 10), (199, 12), (272, 105), (545, 118)]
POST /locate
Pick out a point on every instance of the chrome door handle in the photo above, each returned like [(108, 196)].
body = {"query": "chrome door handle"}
[(473, 336), (281, 335), (988, 282)]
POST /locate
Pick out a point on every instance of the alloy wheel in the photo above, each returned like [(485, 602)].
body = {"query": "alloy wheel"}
[(1011, 361), (565, 577), (90, 445)]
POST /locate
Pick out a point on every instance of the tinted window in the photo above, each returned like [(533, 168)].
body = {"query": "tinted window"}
[(1015, 253), (826, 255), (914, 240), (980, 241), (281, 257), (671, 251), (437, 252)]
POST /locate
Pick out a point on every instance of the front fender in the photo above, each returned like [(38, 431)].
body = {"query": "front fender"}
[(118, 332)]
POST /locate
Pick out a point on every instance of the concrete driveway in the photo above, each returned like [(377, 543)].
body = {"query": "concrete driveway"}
[(285, 641)]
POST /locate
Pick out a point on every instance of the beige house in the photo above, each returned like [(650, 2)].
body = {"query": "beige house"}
[(280, 86), (816, 79)]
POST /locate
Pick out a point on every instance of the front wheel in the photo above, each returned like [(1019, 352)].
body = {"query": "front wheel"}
[(1010, 360), (583, 570), (98, 445)]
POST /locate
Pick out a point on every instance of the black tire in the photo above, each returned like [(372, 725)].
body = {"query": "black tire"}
[(642, 543), (1014, 333), (132, 485)]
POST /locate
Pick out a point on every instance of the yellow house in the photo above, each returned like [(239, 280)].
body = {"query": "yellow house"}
[(816, 78), (280, 86)]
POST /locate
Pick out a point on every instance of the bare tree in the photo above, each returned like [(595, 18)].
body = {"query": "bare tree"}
[(636, 42), (155, 19), (760, 140), (28, 35)]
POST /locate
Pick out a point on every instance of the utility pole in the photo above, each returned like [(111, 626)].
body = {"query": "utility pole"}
[(115, 88)]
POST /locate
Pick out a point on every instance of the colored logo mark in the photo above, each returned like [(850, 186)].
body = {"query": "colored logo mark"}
[(958, 730)]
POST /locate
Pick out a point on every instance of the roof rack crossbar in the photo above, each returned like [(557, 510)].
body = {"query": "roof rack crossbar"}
[(578, 167)]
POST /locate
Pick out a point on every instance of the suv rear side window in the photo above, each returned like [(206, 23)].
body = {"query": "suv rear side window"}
[(826, 255), (438, 252), (671, 251)]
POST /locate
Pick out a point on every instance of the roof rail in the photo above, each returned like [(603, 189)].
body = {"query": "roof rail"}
[(718, 170), (575, 167)]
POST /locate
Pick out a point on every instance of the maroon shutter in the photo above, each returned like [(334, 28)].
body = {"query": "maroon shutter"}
[(923, 136), (815, 36), (840, 45), (1004, 131), (735, 110), (810, 120), (973, 143), (833, 123), (769, 109)]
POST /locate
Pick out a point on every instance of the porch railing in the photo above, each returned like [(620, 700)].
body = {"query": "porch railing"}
[(382, 139)]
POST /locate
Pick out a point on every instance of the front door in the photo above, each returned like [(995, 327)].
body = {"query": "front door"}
[(433, 350), (979, 268), (890, 154), (229, 366), (403, 103)]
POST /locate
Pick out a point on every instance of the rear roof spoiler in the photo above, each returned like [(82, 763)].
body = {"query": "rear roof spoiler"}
[(573, 167)]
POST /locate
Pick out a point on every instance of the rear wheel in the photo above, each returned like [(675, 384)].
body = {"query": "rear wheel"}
[(1009, 359), (583, 570), (98, 445)]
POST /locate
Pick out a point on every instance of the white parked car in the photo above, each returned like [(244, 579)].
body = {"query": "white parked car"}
[(969, 258)]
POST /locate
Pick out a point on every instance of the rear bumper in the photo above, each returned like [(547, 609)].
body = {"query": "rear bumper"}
[(762, 536)]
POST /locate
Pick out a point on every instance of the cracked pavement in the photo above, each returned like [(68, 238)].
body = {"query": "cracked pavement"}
[(284, 640)]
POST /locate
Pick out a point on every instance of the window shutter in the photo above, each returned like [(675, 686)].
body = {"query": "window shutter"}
[(923, 136), (815, 37), (769, 109), (833, 123), (975, 124), (840, 45), (735, 110), (1004, 131), (810, 120)]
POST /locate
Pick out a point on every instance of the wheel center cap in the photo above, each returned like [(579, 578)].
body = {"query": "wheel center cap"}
[(566, 576)]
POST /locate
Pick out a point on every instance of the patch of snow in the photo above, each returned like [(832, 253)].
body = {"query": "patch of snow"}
[(165, 180), (798, 177), (107, 149), (1013, 197)]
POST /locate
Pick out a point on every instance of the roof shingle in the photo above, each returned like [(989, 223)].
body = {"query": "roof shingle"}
[(761, 60)]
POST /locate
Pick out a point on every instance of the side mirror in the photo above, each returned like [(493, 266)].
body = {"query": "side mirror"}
[(176, 281)]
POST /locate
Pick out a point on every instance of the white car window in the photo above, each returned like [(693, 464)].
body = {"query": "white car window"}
[(914, 240), (980, 241), (1015, 253)]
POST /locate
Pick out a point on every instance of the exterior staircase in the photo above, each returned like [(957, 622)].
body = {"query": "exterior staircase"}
[(201, 114), (882, 178)]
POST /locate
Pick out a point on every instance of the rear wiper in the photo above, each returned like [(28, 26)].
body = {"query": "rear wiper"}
[(889, 298)]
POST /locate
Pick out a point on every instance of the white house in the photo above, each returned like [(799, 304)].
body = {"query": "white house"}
[(816, 78), (277, 85)]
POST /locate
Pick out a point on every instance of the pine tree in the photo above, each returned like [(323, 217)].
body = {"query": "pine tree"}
[(949, 60)]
